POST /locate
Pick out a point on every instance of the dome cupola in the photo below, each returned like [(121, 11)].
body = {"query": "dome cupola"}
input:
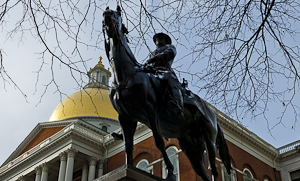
[(91, 104), (99, 76)]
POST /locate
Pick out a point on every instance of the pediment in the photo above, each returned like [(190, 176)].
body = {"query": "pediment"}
[(41, 132)]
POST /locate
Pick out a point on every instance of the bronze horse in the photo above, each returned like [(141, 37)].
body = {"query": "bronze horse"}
[(138, 96)]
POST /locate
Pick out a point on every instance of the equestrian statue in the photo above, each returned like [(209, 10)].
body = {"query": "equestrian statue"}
[(152, 95)]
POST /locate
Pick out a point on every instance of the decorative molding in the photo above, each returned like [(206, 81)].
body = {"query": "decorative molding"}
[(45, 167), (38, 170), (71, 152), (245, 134), (97, 118), (22, 178), (63, 156), (290, 149), (92, 160), (71, 130), (33, 134), (101, 163)]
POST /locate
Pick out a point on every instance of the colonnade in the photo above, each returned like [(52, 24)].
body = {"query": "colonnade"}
[(66, 168)]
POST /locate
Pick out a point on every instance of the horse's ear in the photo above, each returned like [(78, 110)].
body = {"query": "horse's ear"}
[(107, 7), (124, 29)]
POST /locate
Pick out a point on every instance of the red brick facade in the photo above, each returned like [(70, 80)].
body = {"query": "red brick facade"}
[(41, 136), (240, 160)]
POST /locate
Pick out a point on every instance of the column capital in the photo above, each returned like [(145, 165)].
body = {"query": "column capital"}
[(45, 167), (92, 160), (38, 170), (22, 178), (101, 162), (63, 156), (71, 152)]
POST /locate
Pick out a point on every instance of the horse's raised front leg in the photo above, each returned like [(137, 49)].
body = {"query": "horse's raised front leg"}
[(158, 140), (128, 127)]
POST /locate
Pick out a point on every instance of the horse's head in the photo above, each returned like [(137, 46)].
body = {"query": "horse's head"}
[(112, 23)]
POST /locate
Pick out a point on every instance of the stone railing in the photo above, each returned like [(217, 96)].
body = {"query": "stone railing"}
[(289, 147), (76, 127)]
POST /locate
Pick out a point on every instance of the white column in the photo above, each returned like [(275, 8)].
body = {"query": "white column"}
[(100, 168), (92, 168), (62, 167), (38, 173), (84, 176), (70, 164), (45, 169)]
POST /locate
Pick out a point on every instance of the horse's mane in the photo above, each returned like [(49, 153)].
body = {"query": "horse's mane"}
[(128, 50)]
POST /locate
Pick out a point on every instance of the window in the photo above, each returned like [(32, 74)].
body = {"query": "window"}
[(144, 165), (103, 80), (225, 176), (247, 175), (267, 178), (173, 156), (295, 175), (104, 128)]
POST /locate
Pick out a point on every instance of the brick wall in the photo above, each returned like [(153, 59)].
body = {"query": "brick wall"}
[(240, 160), (41, 136)]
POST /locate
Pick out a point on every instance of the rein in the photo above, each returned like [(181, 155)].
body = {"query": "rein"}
[(117, 35)]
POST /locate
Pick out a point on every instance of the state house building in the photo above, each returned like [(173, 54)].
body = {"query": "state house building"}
[(76, 144)]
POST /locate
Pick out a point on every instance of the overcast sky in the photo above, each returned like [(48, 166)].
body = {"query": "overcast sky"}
[(18, 116)]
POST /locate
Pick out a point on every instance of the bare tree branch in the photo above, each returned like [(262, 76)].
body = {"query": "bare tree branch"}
[(243, 55)]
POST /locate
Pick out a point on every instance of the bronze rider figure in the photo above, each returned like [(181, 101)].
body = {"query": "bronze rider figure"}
[(161, 60)]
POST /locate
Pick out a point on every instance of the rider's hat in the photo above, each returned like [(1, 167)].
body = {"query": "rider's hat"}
[(163, 36)]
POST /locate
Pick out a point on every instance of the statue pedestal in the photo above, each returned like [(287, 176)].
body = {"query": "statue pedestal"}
[(128, 173)]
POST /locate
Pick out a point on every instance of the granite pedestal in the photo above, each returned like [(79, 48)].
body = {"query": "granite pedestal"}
[(128, 173)]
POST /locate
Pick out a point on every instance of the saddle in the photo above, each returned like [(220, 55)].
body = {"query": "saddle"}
[(189, 98)]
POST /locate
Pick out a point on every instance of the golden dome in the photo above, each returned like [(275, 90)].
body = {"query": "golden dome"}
[(87, 102)]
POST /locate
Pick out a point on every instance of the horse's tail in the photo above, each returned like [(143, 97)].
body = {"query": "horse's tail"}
[(223, 150)]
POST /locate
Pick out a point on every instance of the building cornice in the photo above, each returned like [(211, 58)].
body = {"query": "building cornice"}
[(289, 150), (244, 134), (33, 134), (76, 129)]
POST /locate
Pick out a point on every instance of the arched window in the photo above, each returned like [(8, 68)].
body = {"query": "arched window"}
[(144, 165), (267, 178), (247, 175), (104, 128), (173, 156), (226, 176)]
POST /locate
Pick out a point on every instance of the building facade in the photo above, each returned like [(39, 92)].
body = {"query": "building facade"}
[(76, 144)]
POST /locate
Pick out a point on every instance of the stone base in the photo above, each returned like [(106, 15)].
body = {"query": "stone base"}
[(128, 173)]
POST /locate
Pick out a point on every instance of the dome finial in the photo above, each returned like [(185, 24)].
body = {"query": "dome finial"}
[(100, 62)]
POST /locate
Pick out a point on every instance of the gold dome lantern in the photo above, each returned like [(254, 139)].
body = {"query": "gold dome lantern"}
[(92, 101)]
